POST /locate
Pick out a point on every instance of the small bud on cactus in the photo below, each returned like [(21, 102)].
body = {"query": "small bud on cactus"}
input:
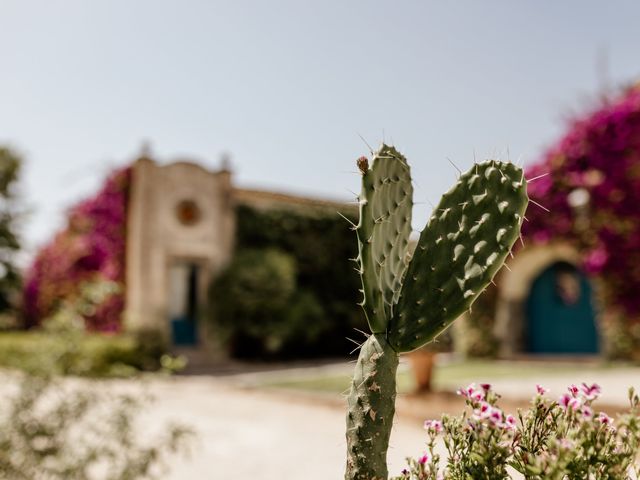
[(408, 302)]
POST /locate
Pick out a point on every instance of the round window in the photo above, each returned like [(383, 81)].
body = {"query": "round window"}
[(188, 212)]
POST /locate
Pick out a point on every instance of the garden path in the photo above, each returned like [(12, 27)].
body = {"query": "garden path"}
[(250, 434)]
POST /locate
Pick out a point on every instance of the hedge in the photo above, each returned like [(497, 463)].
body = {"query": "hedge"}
[(96, 355)]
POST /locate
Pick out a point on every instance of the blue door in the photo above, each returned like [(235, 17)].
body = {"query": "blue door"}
[(183, 303), (560, 313)]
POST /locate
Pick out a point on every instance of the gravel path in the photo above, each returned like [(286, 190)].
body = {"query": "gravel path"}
[(247, 434)]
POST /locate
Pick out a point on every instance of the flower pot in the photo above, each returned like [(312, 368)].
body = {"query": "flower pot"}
[(422, 362)]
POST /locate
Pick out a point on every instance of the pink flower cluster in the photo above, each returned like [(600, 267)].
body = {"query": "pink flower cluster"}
[(599, 158), (579, 400), (91, 248), (484, 410), (551, 439)]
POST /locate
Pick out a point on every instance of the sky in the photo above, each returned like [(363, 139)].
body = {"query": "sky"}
[(293, 90)]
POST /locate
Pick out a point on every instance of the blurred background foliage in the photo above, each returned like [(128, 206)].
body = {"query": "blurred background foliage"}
[(50, 430), (10, 281), (289, 292)]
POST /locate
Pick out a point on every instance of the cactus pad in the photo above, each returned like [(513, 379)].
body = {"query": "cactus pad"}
[(383, 232), (468, 237)]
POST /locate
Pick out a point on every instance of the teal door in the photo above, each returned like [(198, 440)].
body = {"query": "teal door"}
[(560, 313), (183, 303)]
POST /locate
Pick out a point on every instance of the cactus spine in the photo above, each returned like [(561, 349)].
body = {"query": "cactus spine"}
[(408, 302)]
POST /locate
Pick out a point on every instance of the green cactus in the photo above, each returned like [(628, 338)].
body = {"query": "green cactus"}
[(409, 302)]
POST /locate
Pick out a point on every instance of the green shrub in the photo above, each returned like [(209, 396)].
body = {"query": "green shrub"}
[(259, 310), (44, 352), (319, 314)]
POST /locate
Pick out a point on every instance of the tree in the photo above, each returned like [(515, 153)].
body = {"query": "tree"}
[(10, 166)]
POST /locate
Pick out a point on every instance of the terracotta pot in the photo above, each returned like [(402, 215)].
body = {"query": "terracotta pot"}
[(422, 362)]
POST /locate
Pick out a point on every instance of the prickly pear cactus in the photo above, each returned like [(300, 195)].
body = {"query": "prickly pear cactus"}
[(386, 202), (409, 302)]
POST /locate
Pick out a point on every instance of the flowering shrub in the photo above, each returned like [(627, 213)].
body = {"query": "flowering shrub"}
[(553, 439), (596, 167), (90, 250)]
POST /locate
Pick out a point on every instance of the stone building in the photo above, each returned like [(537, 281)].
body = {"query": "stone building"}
[(181, 227), (179, 234)]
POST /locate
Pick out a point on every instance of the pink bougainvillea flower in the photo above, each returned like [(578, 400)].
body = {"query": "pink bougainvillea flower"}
[(90, 249), (600, 156)]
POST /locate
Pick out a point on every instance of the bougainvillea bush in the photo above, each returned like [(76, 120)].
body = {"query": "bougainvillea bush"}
[(590, 183), (563, 438), (90, 251)]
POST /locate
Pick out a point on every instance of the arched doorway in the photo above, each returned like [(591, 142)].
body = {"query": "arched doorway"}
[(184, 303), (559, 311)]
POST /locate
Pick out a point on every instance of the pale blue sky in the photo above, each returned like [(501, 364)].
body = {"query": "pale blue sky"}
[(286, 86)]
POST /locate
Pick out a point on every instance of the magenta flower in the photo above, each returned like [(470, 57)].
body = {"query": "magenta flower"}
[(591, 392), (573, 390), (541, 390), (510, 422), (496, 415), (574, 403), (483, 410), (433, 426), (477, 396), (604, 419), (468, 391)]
